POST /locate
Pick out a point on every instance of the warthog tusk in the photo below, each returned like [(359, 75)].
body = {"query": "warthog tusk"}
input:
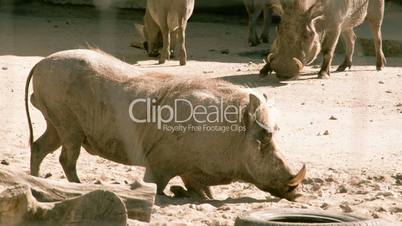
[(270, 57), (296, 180), (298, 63)]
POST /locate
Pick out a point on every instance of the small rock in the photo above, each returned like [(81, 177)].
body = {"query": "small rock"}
[(4, 68), (329, 179), (225, 51), (116, 182), (397, 176), (238, 70), (362, 192), (396, 209), (318, 180), (68, 22), (318, 134), (208, 72), (388, 91), (224, 208), (380, 209), (326, 133), (303, 103), (333, 118), (97, 182), (205, 207), (380, 82), (56, 26), (385, 194), (324, 206), (48, 175), (5, 162), (12, 90), (342, 189), (307, 181), (346, 208), (316, 187)]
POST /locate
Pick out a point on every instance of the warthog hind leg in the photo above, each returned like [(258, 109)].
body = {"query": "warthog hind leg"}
[(329, 44), (349, 38), (266, 25), (375, 16), (46, 144)]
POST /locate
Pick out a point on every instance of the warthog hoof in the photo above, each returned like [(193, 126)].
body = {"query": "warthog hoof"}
[(323, 75), (266, 70), (344, 65)]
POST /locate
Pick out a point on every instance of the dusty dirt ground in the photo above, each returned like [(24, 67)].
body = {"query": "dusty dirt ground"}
[(354, 162)]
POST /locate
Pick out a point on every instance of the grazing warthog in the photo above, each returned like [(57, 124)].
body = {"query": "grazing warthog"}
[(165, 22), (115, 111), (254, 9), (309, 27)]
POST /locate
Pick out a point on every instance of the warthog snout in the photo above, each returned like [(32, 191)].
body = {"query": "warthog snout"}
[(284, 68)]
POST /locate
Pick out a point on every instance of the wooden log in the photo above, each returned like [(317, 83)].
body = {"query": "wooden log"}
[(138, 197)]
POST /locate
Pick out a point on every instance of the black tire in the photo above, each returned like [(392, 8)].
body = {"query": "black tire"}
[(300, 217)]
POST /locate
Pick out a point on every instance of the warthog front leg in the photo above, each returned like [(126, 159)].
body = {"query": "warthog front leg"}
[(349, 38), (329, 44)]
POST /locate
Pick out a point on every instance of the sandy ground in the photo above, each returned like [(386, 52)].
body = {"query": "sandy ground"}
[(356, 168)]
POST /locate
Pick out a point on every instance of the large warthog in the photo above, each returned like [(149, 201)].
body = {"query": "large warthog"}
[(209, 132), (254, 9), (165, 23), (309, 27)]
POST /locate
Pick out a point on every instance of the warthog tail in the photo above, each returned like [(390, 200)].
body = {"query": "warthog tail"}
[(27, 106)]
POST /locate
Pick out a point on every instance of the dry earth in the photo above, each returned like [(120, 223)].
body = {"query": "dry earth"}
[(348, 130)]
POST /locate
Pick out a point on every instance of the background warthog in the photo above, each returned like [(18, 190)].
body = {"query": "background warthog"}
[(86, 99), (166, 21), (254, 9), (310, 26)]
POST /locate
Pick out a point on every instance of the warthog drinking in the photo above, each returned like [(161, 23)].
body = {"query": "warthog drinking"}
[(165, 22), (309, 27), (115, 111)]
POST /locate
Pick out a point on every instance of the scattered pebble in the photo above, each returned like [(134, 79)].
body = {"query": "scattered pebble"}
[(342, 189), (5, 162), (48, 175), (97, 182), (397, 209), (205, 207), (346, 208), (329, 179), (324, 206), (208, 72), (333, 118), (385, 194), (326, 133)]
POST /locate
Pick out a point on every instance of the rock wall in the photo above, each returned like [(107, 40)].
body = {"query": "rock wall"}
[(141, 3)]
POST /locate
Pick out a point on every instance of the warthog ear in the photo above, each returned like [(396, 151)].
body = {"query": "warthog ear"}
[(253, 104)]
